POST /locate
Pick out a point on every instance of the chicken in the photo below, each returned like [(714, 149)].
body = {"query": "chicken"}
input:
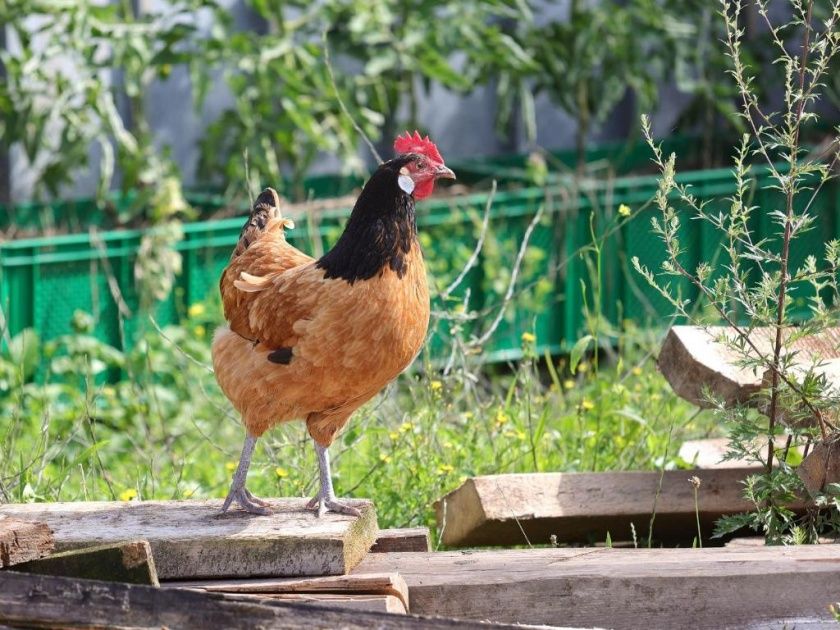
[(314, 340)]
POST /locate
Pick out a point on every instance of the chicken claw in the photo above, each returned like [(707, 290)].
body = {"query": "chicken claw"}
[(238, 491), (326, 504), (247, 502), (325, 500)]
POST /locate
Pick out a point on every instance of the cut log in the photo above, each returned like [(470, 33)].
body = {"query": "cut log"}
[(369, 584), (616, 588), (49, 602), (23, 540), (584, 507), (130, 562), (192, 539), (403, 539), (695, 358)]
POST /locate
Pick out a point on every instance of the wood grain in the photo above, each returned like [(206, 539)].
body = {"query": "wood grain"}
[(584, 507), (403, 539), (129, 562), (694, 358), (191, 539), (611, 588), (368, 584), (36, 601), (23, 540)]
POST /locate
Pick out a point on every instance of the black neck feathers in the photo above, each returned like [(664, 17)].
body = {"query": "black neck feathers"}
[(380, 231)]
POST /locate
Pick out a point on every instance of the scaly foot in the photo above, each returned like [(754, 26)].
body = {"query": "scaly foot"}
[(331, 504), (246, 501)]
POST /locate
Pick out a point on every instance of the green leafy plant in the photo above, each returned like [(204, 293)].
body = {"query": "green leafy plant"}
[(770, 280)]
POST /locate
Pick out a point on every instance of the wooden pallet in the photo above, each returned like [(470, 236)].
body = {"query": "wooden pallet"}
[(192, 539)]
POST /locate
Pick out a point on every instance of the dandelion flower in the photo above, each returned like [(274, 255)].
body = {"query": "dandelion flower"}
[(445, 469), (587, 405), (637, 371), (528, 337), (394, 435), (230, 466), (128, 494), (405, 427), (384, 458), (196, 309), (624, 210), (435, 386), (582, 367), (281, 472), (568, 383), (199, 331)]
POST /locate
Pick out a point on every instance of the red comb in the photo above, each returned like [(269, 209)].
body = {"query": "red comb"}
[(416, 144)]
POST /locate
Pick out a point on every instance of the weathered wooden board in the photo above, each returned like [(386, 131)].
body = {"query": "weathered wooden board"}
[(402, 539), (708, 453), (694, 358), (23, 540), (129, 562), (50, 602), (371, 603), (191, 539), (390, 584), (615, 588), (583, 507)]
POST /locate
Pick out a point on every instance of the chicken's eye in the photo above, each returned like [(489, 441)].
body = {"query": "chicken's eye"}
[(420, 164)]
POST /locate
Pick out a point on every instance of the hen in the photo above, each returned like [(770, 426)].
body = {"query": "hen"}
[(314, 340)]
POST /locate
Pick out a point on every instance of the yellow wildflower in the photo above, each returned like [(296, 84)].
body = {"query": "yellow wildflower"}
[(394, 435), (501, 418), (468, 415), (568, 383), (637, 371), (444, 469), (196, 309), (587, 404), (435, 386), (128, 494), (405, 427), (528, 338), (281, 472), (199, 331), (582, 367), (386, 459), (624, 210), (520, 435), (230, 466)]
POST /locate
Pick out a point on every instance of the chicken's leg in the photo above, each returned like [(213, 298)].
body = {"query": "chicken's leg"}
[(238, 491), (326, 501)]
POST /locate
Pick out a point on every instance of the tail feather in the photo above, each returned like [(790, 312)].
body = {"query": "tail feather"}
[(266, 208), (251, 283)]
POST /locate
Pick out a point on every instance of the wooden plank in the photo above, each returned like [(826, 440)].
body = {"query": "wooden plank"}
[(371, 603), (584, 507), (369, 584), (23, 540), (192, 539), (402, 539), (49, 602), (693, 358), (708, 453), (129, 562), (615, 588)]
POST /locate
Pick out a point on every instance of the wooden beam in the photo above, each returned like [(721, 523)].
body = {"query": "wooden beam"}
[(695, 358), (403, 539), (49, 602), (371, 603), (616, 588), (23, 540), (129, 562), (584, 507), (368, 584), (192, 539)]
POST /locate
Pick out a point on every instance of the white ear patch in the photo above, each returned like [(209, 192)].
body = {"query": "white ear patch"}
[(406, 183)]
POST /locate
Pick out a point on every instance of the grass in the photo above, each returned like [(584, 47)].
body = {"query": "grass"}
[(164, 430)]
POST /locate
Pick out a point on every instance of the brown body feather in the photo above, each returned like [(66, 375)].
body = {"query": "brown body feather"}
[(347, 340)]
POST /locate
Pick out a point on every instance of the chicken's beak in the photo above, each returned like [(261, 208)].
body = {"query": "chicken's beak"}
[(442, 172)]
